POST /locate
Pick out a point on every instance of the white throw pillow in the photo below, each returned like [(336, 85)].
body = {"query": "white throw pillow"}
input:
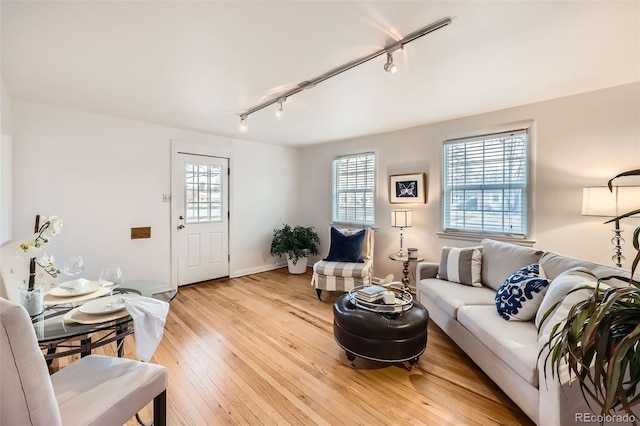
[(558, 291), (461, 265), (520, 296)]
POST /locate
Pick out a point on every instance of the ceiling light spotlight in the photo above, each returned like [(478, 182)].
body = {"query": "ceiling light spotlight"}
[(243, 123), (390, 67), (279, 107)]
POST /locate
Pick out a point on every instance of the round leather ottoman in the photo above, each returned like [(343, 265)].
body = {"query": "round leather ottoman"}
[(380, 337)]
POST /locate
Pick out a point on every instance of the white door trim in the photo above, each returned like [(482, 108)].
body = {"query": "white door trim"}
[(177, 147)]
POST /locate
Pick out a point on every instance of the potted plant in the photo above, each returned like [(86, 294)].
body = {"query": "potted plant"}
[(31, 295), (600, 340), (297, 243)]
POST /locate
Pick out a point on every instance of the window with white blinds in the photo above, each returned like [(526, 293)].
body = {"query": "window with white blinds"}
[(485, 184), (353, 189)]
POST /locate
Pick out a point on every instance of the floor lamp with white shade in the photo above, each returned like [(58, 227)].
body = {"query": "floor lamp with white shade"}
[(600, 201)]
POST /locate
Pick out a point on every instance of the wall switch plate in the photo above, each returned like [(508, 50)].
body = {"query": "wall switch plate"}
[(166, 198)]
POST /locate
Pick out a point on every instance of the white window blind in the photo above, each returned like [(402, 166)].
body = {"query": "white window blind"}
[(353, 188), (485, 183)]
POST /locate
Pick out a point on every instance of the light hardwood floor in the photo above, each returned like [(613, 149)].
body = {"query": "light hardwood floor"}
[(260, 350)]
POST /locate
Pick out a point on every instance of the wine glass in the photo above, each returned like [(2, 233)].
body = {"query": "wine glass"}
[(73, 266), (111, 277)]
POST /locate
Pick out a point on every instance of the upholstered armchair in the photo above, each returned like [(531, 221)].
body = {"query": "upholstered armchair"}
[(349, 262), (95, 390)]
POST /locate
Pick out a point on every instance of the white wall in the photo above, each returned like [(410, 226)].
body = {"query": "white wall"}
[(6, 111), (266, 195), (104, 175), (579, 141)]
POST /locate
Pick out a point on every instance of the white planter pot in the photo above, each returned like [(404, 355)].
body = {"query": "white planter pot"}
[(32, 300), (300, 267)]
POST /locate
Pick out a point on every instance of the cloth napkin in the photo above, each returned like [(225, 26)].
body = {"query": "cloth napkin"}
[(149, 316)]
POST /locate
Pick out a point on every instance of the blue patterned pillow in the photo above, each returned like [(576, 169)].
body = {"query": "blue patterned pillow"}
[(520, 296)]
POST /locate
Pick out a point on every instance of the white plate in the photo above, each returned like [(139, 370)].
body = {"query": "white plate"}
[(72, 290), (106, 305)]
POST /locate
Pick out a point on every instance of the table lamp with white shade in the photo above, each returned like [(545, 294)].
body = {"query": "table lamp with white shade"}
[(599, 201), (401, 218)]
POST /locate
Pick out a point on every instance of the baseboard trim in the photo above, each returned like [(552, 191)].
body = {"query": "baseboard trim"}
[(258, 269)]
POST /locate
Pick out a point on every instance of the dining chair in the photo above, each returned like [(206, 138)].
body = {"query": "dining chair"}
[(95, 390)]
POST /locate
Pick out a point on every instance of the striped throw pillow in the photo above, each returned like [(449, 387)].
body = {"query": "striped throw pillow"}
[(461, 265)]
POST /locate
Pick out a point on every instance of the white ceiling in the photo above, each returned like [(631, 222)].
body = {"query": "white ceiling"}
[(198, 65)]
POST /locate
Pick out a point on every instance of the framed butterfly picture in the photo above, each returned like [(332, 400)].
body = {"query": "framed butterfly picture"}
[(408, 188)]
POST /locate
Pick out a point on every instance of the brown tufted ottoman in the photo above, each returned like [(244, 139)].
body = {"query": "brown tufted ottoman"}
[(380, 337)]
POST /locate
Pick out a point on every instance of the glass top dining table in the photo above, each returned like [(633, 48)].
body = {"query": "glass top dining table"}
[(58, 338)]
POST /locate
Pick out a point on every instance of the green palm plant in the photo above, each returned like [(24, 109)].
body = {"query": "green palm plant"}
[(600, 339)]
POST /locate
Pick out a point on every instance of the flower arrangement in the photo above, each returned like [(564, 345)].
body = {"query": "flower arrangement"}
[(34, 248)]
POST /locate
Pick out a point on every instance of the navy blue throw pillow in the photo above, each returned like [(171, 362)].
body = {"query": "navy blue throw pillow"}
[(520, 296), (345, 248)]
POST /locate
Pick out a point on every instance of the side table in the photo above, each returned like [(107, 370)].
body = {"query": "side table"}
[(405, 267)]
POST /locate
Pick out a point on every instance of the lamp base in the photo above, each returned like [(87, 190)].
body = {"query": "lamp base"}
[(401, 251), (618, 242)]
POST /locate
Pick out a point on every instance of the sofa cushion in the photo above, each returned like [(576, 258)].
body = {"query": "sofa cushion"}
[(452, 296), (558, 291), (345, 248), (554, 264), (514, 342), (500, 260), (520, 296), (462, 266), (343, 269)]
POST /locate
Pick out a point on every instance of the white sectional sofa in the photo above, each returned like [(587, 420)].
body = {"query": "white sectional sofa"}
[(507, 351)]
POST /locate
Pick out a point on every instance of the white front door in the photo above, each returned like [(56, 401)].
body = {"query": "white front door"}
[(201, 194)]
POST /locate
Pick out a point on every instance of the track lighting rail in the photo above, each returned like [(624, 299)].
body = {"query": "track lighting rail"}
[(339, 70)]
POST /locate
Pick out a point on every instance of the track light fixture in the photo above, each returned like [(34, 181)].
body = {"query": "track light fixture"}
[(279, 107), (389, 66)]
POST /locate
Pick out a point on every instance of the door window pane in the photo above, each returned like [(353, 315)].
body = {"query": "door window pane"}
[(203, 193)]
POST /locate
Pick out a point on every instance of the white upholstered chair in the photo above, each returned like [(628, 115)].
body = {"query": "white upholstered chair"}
[(95, 390), (343, 276)]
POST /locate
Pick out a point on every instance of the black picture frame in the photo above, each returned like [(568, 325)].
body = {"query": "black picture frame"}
[(408, 188)]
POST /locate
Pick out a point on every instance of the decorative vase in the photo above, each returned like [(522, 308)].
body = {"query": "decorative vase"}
[(32, 300)]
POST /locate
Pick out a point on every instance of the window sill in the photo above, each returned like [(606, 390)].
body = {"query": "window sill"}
[(343, 225), (477, 237)]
